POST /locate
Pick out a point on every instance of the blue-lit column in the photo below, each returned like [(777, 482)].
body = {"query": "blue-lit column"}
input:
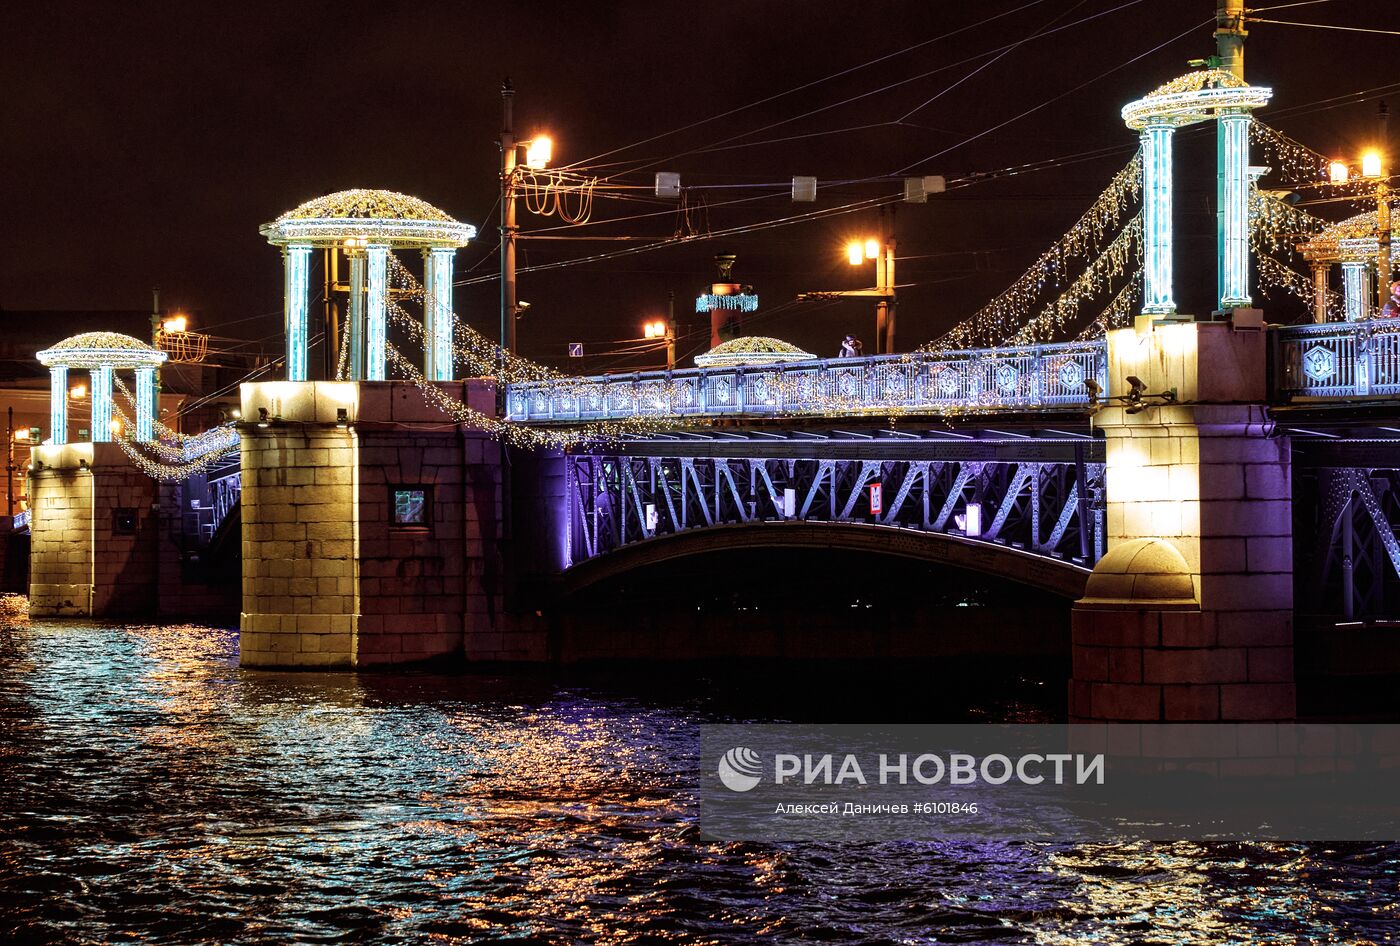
[(356, 339), (1356, 290), (376, 329), (1157, 220), (58, 404), (145, 403), (101, 378), (438, 301), (429, 318), (1232, 203), (297, 263)]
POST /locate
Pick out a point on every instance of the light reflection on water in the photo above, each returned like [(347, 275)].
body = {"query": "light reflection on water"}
[(154, 792)]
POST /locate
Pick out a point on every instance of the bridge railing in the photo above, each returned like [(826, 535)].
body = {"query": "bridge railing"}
[(1338, 359), (1015, 378)]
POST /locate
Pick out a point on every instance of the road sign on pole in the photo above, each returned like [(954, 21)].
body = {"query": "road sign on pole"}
[(575, 349), (877, 499)]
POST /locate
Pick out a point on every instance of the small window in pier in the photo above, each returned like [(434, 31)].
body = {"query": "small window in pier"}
[(411, 507), (125, 521)]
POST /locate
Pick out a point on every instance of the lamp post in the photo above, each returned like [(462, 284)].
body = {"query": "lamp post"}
[(881, 251), (663, 329), (537, 155), (1373, 167)]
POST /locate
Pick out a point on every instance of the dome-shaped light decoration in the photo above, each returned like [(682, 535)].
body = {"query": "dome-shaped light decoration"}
[(1186, 100), (101, 353), (367, 225), (752, 350), (376, 216)]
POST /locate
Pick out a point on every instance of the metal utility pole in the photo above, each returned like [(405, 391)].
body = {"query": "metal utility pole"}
[(1229, 36), (508, 228), (884, 276), (671, 332), (157, 326), (1384, 269)]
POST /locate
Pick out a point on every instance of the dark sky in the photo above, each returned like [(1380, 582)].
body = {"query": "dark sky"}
[(142, 144)]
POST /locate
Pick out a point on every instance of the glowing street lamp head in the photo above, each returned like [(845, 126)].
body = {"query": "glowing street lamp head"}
[(855, 253), (1338, 172), (176, 323), (654, 329), (1371, 164), (115, 426), (872, 249), (77, 392), (538, 153)]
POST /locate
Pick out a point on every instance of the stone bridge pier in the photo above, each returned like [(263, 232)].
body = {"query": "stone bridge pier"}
[(1189, 615)]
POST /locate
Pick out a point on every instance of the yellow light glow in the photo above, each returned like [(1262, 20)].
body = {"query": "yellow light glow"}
[(176, 323), (115, 426), (538, 153), (872, 249), (654, 329), (22, 433), (77, 392), (855, 253), (1371, 164), (1338, 172)]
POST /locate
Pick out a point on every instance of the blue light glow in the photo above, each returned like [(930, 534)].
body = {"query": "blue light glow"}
[(1356, 289), (297, 265), (145, 403), (356, 336), (1157, 219), (437, 297), (375, 338), (743, 302), (1232, 168), (58, 404), (101, 403)]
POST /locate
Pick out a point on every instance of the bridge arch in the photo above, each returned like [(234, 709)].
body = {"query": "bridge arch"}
[(1043, 573)]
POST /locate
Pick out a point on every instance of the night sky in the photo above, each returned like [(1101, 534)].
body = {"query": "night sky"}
[(144, 143)]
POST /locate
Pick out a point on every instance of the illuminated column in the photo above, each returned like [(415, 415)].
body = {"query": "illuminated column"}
[(1356, 287), (145, 402), (1157, 220), (356, 339), (101, 403), (376, 337), (429, 318), (58, 404), (296, 262), (1232, 202), (437, 305), (1319, 274)]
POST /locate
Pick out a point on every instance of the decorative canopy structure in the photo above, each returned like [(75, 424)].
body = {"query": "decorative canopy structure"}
[(751, 350), (1186, 100), (365, 225), (1353, 243), (101, 353)]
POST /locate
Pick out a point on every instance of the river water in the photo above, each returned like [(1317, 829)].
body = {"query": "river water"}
[(150, 791)]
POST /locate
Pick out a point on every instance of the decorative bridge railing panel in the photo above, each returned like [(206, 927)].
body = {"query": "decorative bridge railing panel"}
[(1338, 359), (1013, 378), (1055, 509)]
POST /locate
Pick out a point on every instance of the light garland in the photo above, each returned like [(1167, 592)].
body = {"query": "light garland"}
[(1099, 274), (1118, 313), (1008, 312)]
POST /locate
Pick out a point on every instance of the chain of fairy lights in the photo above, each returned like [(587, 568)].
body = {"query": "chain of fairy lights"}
[(1008, 312), (1277, 227), (172, 465), (1118, 313), (548, 195), (1105, 268), (1276, 277)]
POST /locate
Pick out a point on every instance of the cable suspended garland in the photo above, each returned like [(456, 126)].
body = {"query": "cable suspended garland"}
[(1009, 312), (1118, 313), (1099, 275)]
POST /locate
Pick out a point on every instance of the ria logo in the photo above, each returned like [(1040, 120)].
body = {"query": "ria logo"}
[(740, 769)]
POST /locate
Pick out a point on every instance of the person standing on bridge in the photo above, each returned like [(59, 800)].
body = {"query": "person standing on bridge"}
[(850, 347)]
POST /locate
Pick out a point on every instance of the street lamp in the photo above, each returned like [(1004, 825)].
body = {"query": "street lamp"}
[(1373, 168), (176, 323), (662, 328), (538, 153)]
